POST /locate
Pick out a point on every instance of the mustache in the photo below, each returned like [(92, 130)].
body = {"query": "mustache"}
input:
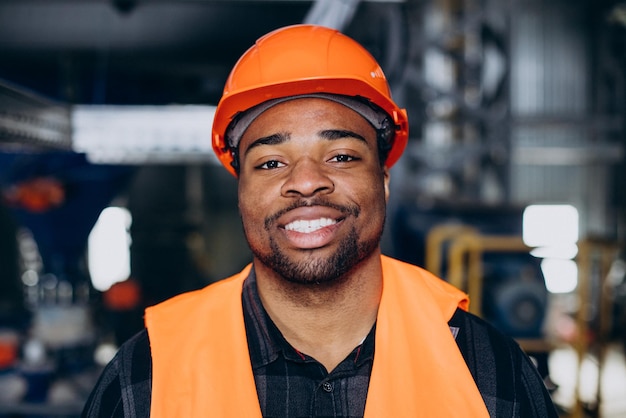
[(344, 209)]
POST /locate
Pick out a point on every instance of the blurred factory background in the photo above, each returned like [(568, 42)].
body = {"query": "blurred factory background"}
[(513, 186)]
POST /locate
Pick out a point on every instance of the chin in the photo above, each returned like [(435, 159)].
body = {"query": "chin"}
[(319, 267)]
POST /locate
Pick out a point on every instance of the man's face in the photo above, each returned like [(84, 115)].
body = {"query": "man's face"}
[(312, 193)]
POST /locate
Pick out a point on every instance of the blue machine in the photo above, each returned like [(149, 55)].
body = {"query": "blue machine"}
[(514, 295)]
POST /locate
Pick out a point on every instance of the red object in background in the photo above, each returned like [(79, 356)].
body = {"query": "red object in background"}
[(8, 350), (123, 296), (36, 195)]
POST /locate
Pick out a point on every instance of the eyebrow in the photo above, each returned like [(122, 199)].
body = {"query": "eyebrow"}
[(274, 139), (332, 134), (329, 134)]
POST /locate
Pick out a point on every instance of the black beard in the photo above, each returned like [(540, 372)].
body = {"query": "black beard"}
[(320, 270)]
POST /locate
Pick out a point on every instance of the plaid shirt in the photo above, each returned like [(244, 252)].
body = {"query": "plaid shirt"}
[(292, 384)]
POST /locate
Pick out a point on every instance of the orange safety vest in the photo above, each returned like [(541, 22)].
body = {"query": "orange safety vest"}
[(201, 366)]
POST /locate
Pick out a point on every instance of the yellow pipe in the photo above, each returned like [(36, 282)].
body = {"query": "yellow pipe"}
[(435, 239), (465, 265), (474, 245), (603, 253)]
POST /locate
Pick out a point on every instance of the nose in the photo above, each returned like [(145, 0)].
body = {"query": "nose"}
[(307, 178)]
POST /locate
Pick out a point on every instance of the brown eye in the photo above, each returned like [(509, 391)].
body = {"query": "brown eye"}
[(269, 165), (343, 158)]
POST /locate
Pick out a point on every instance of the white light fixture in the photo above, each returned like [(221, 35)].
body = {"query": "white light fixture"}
[(561, 275), (109, 248), (553, 231), (550, 225), (110, 134)]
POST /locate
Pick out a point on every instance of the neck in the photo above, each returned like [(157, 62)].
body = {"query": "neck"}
[(325, 321)]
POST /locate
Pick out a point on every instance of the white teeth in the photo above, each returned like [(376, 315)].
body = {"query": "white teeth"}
[(306, 227)]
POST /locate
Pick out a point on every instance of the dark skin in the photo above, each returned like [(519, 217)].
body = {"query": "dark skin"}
[(312, 198)]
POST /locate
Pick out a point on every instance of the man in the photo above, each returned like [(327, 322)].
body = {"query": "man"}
[(320, 324)]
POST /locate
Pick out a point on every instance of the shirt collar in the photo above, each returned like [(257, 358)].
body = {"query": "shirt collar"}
[(265, 341)]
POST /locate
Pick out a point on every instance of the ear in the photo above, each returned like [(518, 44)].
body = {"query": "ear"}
[(386, 177)]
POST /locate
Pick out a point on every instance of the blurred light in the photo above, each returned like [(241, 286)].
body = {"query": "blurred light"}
[(439, 69), (561, 275), (617, 273), (109, 248), (30, 278), (104, 353), (110, 134), (553, 231), (550, 225), (565, 251), (29, 251)]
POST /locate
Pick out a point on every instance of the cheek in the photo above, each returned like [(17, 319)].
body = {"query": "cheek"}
[(370, 196), (252, 208), (245, 203), (378, 197), (379, 206)]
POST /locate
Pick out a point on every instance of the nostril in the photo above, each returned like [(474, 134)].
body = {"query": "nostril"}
[(307, 179), (305, 190)]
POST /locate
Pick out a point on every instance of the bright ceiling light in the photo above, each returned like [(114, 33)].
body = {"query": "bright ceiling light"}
[(552, 230), (550, 225)]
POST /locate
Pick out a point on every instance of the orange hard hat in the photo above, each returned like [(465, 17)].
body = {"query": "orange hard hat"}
[(299, 60)]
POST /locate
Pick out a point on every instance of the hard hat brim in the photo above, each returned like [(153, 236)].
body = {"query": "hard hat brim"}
[(234, 102)]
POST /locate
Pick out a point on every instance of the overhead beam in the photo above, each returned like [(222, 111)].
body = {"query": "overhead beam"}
[(31, 121)]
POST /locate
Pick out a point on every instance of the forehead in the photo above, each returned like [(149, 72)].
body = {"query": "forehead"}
[(304, 114)]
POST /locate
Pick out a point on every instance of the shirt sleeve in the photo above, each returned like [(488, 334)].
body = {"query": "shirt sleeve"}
[(536, 401), (506, 377), (124, 387)]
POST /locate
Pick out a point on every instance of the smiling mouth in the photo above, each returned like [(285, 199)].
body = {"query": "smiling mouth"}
[(306, 227)]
